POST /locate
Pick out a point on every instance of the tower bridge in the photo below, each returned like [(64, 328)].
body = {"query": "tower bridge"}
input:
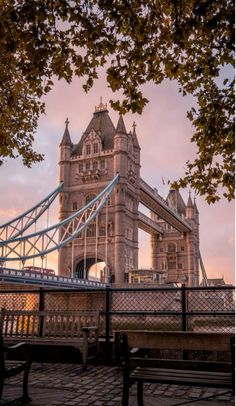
[(85, 166), (99, 214)]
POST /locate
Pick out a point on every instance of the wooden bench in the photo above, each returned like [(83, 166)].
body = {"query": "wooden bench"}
[(9, 368), (63, 328), (139, 368)]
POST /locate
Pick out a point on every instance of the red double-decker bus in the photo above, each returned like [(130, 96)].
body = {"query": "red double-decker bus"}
[(43, 271)]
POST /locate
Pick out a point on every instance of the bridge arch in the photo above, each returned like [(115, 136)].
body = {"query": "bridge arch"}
[(91, 268)]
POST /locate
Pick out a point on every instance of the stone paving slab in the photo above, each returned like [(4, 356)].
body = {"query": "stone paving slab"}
[(67, 384)]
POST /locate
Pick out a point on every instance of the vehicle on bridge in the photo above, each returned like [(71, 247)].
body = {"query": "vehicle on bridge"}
[(43, 271)]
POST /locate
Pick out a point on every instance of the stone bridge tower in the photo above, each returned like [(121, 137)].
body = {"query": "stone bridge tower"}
[(86, 168), (175, 255)]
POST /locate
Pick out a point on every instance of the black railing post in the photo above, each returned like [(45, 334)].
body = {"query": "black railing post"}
[(184, 316), (184, 307), (108, 328), (41, 309)]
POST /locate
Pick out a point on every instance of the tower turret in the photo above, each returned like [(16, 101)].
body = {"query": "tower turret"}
[(120, 165), (121, 126), (195, 207), (65, 155), (193, 242), (190, 208), (66, 140), (135, 138)]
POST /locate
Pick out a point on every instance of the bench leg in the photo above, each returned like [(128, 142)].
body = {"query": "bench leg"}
[(1, 388), (25, 384), (140, 393), (125, 396), (85, 351)]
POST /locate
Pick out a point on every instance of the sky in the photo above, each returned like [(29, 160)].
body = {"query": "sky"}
[(164, 135)]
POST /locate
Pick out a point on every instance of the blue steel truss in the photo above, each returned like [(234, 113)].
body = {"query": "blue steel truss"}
[(43, 242), (20, 224)]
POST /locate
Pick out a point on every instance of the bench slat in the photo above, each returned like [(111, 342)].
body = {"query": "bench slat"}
[(178, 378), (178, 340), (185, 374), (217, 366)]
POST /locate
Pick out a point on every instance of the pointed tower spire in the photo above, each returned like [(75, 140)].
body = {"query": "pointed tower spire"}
[(190, 202), (190, 208), (135, 138), (66, 140), (195, 205), (121, 126)]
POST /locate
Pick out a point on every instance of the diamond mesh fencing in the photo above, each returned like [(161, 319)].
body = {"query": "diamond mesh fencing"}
[(146, 300), (212, 324), (149, 309), (208, 300), (197, 309), (19, 300), (81, 300), (145, 322), (211, 302)]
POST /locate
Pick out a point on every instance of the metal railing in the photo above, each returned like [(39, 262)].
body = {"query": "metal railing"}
[(155, 308)]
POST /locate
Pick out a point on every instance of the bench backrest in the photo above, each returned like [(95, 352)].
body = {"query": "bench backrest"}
[(178, 340), (66, 324)]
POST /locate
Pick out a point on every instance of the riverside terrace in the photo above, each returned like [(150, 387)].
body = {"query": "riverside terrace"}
[(198, 309), (53, 384)]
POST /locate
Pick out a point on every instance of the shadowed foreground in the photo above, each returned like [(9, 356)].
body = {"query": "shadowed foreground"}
[(67, 384)]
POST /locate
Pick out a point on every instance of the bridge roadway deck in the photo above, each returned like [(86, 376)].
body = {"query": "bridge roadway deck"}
[(53, 384), (21, 276)]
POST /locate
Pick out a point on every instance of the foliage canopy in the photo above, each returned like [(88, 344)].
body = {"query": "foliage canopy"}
[(138, 41)]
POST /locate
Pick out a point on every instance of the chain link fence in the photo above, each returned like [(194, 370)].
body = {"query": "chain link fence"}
[(197, 309)]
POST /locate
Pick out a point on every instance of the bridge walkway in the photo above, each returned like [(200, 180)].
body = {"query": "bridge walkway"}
[(153, 201)]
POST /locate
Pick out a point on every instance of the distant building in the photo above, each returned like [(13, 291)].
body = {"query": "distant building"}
[(144, 276), (216, 282), (174, 254)]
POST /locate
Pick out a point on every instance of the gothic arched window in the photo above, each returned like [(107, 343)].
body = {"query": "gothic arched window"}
[(171, 247), (89, 198), (95, 148), (102, 164), (91, 230), (88, 149), (87, 166), (74, 205), (95, 165)]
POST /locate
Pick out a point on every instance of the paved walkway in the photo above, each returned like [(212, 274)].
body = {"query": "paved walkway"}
[(68, 385)]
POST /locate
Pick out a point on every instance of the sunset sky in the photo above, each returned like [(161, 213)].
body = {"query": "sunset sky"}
[(164, 135)]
